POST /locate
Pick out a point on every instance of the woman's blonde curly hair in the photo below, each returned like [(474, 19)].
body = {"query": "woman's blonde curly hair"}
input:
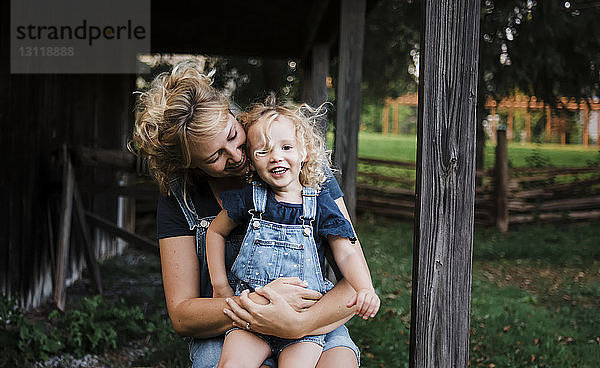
[(310, 136), (180, 105)]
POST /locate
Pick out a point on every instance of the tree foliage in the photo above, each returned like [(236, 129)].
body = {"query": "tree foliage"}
[(545, 48)]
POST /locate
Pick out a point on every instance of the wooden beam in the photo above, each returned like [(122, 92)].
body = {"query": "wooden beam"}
[(528, 124), (352, 24), (548, 124), (586, 123), (501, 178), (64, 236), (90, 256), (104, 158), (395, 119), (313, 24), (563, 127), (445, 187), (510, 122), (134, 240), (385, 119), (319, 71)]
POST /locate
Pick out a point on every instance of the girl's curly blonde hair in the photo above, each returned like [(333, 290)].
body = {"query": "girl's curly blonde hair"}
[(180, 106), (309, 134)]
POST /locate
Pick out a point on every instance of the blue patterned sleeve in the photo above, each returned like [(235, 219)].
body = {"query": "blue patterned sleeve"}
[(236, 203), (331, 221)]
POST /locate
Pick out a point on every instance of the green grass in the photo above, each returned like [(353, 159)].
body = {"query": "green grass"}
[(404, 148), (535, 299), (535, 296)]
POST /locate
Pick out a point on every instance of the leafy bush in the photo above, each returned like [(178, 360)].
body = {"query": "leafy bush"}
[(95, 326)]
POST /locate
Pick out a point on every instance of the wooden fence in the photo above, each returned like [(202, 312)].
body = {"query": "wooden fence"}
[(386, 188)]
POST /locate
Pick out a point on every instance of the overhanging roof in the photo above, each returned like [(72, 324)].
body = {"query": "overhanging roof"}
[(277, 29)]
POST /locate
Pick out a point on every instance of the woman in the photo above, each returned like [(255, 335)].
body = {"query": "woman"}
[(195, 150)]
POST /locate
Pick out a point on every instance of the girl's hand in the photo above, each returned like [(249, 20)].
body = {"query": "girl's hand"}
[(367, 303), (277, 318), (294, 292)]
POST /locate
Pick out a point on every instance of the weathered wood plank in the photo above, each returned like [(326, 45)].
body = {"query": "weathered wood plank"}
[(116, 159), (134, 240), (501, 181), (445, 191), (352, 22), (64, 237), (395, 163), (90, 257)]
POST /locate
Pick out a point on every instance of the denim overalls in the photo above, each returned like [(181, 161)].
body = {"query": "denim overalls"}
[(205, 353), (271, 250), (232, 243)]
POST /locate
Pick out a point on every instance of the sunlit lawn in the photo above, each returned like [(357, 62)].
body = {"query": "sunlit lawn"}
[(403, 148), (535, 298)]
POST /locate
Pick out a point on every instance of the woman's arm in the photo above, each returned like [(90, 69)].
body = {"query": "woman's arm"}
[(324, 316), (190, 315), (216, 233), (203, 317), (330, 312)]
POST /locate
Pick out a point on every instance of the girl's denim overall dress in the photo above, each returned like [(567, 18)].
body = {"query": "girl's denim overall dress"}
[(205, 353), (271, 250)]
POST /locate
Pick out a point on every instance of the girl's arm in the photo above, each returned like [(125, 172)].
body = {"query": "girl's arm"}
[(203, 317), (216, 233), (350, 262), (359, 297)]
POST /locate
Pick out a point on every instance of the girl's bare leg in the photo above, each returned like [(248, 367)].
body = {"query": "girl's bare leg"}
[(243, 349), (340, 356), (300, 355)]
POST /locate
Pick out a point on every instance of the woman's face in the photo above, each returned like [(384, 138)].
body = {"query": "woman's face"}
[(223, 155)]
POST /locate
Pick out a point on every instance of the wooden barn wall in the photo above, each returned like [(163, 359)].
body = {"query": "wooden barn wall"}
[(39, 113)]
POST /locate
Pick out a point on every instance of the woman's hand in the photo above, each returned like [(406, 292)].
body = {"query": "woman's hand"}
[(277, 318), (294, 292)]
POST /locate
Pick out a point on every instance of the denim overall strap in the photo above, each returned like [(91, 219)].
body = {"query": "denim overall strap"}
[(309, 203), (259, 197), (187, 206)]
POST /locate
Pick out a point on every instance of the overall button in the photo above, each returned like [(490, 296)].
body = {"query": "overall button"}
[(204, 223), (306, 231), (255, 224)]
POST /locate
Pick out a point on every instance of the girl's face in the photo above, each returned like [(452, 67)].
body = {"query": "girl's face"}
[(280, 165), (223, 155)]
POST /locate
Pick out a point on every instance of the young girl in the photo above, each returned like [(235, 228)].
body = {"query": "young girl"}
[(288, 220)]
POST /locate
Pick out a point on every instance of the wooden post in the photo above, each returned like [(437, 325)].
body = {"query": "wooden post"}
[(319, 71), (385, 119), (88, 247), (64, 236), (445, 186), (395, 119), (586, 123), (510, 135), (548, 124), (528, 124), (501, 177), (352, 24), (563, 127)]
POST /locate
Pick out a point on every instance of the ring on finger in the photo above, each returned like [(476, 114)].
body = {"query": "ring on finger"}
[(248, 326)]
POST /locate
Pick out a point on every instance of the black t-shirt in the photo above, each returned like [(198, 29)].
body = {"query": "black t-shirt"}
[(171, 222)]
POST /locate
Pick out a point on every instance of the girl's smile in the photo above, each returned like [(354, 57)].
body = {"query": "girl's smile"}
[(276, 157)]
